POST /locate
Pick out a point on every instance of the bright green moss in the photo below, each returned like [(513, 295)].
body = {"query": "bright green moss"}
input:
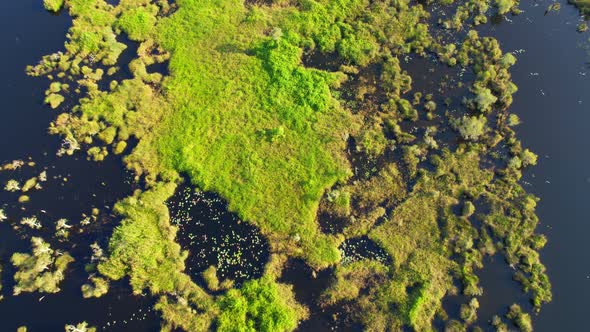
[(138, 22), (53, 5), (259, 305), (230, 96)]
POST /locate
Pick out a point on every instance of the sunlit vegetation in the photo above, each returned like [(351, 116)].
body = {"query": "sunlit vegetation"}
[(259, 305), (53, 5), (80, 327), (96, 288), (520, 318), (243, 115), (583, 5), (155, 262), (12, 186), (42, 270), (470, 127)]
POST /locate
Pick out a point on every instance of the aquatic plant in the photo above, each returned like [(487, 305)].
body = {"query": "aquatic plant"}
[(80, 327), (259, 305), (12, 186), (53, 5), (243, 114), (469, 311), (54, 100), (470, 127), (42, 270), (520, 318), (23, 199), (31, 222), (583, 5), (96, 288), (504, 6), (30, 184), (210, 276)]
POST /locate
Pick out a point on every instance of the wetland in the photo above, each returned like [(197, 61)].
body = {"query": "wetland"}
[(286, 165)]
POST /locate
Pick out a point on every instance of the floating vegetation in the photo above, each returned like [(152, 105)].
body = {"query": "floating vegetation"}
[(216, 237), (53, 5), (31, 222), (356, 249), (80, 327), (12, 186)]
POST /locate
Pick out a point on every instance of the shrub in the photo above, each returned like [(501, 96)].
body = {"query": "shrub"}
[(260, 305), (520, 318), (138, 22), (470, 128), (97, 287)]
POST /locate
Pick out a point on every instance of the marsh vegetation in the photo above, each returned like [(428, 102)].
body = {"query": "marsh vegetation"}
[(246, 157)]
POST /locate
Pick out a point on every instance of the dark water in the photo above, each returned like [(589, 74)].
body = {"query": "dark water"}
[(553, 101), (74, 186), (554, 107), (216, 237)]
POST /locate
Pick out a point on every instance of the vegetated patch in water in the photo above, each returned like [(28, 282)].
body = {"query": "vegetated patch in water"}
[(358, 248), (216, 237), (500, 290), (68, 192)]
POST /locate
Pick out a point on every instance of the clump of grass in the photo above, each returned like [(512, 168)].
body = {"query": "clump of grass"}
[(54, 100), (53, 5), (259, 305), (42, 270), (80, 327), (139, 22), (96, 288), (12, 185), (210, 277)]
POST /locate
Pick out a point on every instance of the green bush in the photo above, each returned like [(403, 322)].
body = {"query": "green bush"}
[(260, 305)]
